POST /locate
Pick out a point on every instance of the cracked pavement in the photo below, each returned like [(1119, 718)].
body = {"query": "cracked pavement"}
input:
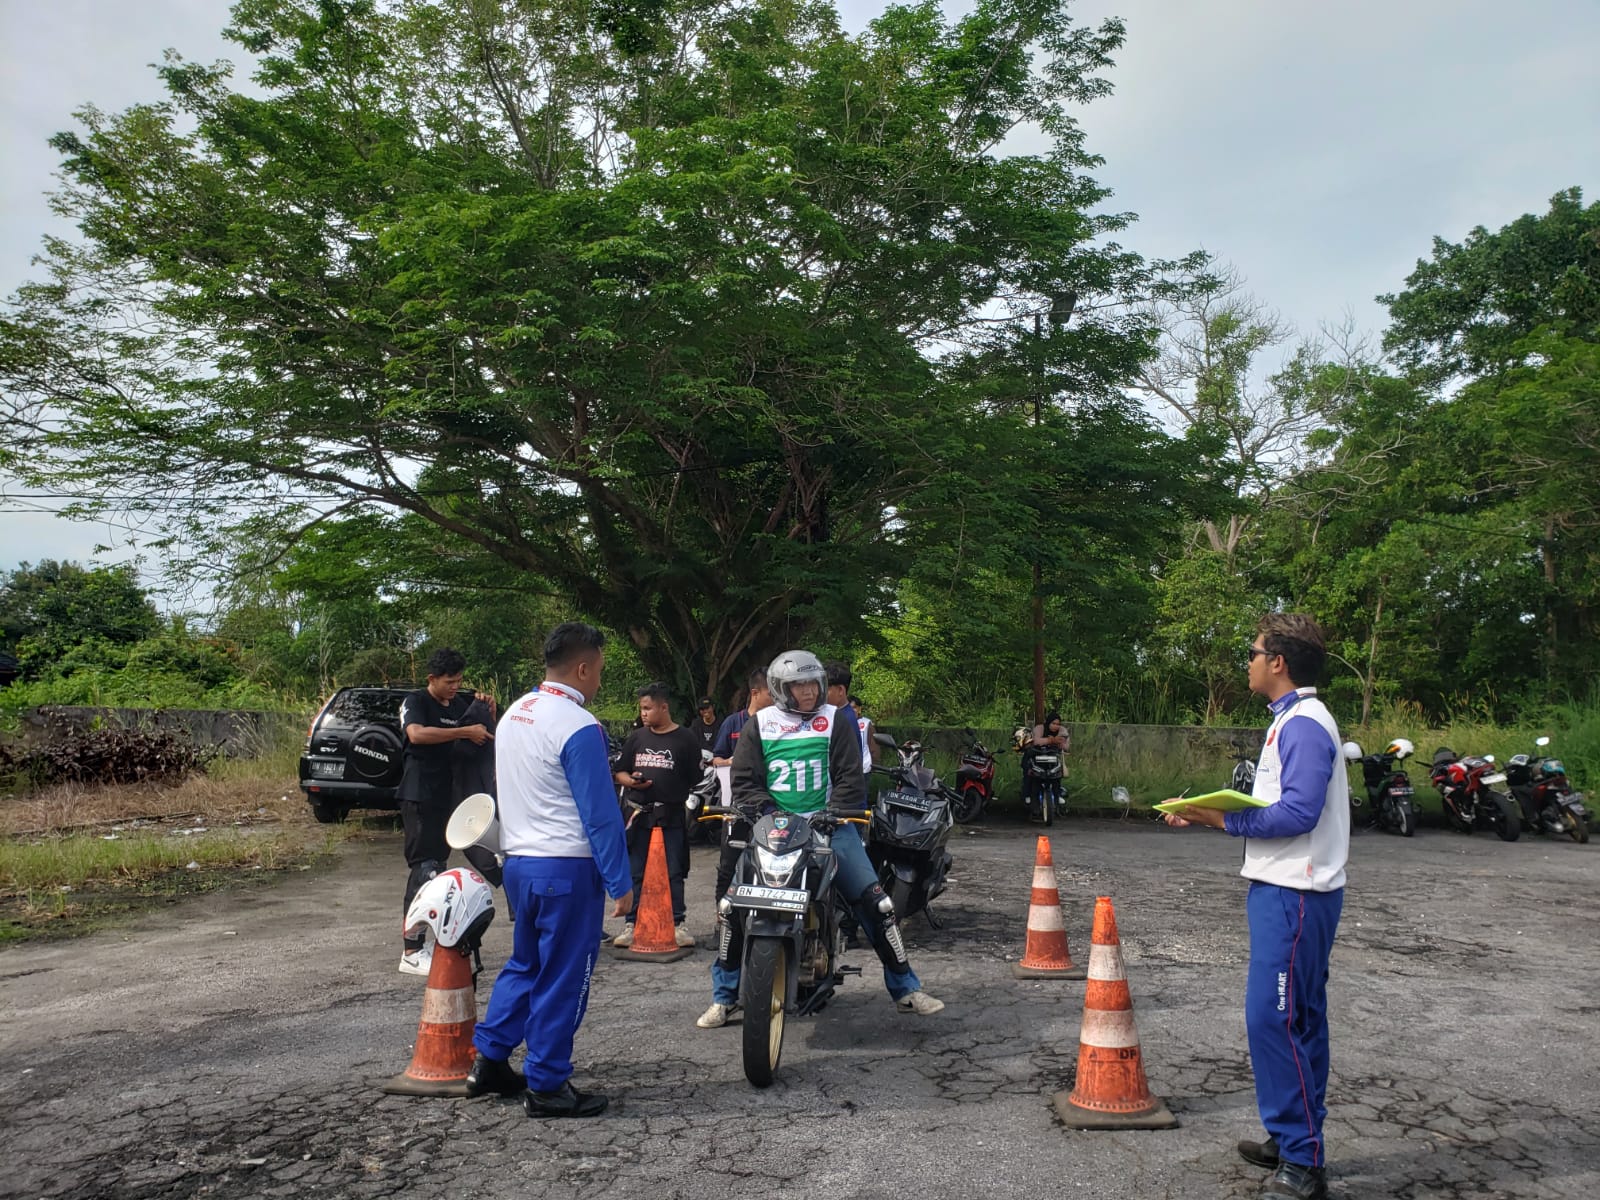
[(234, 1046)]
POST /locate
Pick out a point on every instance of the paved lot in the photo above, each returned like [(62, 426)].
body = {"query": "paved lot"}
[(233, 1047)]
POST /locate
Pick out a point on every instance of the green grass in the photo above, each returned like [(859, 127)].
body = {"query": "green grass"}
[(28, 868)]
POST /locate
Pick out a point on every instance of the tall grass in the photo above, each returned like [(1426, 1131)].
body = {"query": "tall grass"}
[(73, 862)]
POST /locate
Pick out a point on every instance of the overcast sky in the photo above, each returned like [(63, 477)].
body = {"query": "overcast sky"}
[(1317, 147)]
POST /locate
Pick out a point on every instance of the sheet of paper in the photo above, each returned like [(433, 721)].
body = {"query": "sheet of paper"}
[(1227, 800)]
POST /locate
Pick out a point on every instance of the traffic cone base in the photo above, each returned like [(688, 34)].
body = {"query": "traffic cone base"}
[(654, 934), (444, 1050), (1045, 954), (1110, 1091)]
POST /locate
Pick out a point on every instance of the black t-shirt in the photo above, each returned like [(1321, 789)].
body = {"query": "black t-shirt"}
[(706, 733), (671, 761), (427, 773)]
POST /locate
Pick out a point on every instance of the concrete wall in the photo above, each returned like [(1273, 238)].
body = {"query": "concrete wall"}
[(239, 734)]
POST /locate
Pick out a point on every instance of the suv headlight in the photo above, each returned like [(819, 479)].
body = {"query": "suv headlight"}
[(779, 865)]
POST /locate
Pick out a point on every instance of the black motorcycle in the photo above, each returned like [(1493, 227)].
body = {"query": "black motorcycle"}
[(974, 781), (1042, 773), (782, 904), (1244, 769), (1390, 801), (1541, 787), (909, 832)]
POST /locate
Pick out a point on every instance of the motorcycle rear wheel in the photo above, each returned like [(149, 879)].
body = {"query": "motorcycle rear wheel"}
[(766, 970), (967, 804), (1507, 820), (1407, 823)]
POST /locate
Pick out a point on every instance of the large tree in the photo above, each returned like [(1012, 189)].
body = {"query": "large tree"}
[(644, 305)]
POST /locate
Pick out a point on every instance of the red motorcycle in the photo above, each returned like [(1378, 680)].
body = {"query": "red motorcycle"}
[(1470, 799), (974, 782)]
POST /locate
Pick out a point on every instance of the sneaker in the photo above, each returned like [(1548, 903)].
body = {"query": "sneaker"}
[(920, 1003), (1260, 1154), (682, 936), (493, 1075), (716, 1016), (1291, 1181), (624, 939), (416, 962)]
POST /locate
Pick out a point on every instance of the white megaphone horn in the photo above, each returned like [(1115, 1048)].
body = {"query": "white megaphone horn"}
[(474, 824)]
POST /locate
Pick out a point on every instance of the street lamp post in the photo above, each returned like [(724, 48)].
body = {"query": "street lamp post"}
[(1061, 306)]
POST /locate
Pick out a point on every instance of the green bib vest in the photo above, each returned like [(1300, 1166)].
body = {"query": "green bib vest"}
[(796, 750)]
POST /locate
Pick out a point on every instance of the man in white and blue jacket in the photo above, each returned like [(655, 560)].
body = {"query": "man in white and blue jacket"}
[(562, 836), (1294, 856)]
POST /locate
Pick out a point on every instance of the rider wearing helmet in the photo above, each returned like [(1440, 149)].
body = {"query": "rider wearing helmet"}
[(796, 755)]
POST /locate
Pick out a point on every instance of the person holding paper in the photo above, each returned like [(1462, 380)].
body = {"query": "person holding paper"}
[(1294, 856)]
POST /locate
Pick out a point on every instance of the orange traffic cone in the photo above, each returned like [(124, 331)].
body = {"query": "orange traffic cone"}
[(1045, 954), (1111, 1091), (444, 1052), (654, 936)]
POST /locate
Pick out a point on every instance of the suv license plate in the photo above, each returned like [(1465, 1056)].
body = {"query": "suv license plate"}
[(1498, 778), (748, 895)]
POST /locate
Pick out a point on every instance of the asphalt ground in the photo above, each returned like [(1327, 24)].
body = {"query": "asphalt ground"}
[(234, 1046)]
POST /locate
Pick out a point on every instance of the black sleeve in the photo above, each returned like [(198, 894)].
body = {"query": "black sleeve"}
[(625, 756), (748, 775), (849, 783), (690, 770)]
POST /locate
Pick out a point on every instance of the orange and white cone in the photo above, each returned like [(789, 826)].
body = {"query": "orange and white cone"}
[(1045, 954), (654, 935), (1110, 1091), (444, 1050)]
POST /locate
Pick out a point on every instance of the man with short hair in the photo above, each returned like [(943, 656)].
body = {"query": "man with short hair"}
[(564, 849), (432, 719), (839, 677), (659, 764), (705, 725), (1294, 856)]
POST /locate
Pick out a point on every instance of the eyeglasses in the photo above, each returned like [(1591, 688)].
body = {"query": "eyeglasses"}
[(1251, 652)]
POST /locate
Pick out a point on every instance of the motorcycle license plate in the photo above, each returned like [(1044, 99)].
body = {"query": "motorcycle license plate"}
[(1500, 778), (909, 800), (749, 895)]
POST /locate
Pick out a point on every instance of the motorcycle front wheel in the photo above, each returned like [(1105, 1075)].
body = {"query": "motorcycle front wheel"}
[(766, 980), (1406, 824), (967, 804), (1047, 806), (1577, 827), (1507, 820)]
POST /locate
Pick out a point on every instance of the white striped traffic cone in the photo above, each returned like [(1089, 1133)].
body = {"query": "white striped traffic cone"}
[(1045, 954)]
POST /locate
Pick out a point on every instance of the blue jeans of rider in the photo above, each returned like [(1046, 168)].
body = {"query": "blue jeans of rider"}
[(855, 876), (541, 993)]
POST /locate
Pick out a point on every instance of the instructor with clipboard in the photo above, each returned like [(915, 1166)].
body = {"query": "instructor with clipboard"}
[(1294, 856)]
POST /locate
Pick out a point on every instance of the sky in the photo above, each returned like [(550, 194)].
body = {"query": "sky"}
[(1317, 148)]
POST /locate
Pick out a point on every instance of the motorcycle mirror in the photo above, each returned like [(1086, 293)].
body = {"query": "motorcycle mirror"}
[(1541, 741), (1352, 751), (883, 739)]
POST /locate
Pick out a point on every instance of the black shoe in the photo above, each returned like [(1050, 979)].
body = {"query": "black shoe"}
[(565, 1101), (1260, 1154), (493, 1076), (1291, 1181)]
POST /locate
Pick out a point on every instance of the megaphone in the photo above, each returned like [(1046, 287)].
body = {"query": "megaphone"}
[(474, 824)]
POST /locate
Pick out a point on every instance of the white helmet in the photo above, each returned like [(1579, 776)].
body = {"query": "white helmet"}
[(455, 907), (1352, 751), (1400, 748), (792, 667)]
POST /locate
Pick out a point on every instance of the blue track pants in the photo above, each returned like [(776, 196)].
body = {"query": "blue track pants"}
[(541, 993), (1286, 1013)]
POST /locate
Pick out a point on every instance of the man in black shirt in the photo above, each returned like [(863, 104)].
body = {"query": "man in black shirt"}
[(706, 725), (431, 719), (659, 764)]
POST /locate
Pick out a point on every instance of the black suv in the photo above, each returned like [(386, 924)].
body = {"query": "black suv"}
[(353, 754)]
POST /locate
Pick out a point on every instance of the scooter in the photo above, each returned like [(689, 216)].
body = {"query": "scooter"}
[(974, 781), (1470, 801), (1541, 786), (1389, 792), (909, 832), (1042, 773)]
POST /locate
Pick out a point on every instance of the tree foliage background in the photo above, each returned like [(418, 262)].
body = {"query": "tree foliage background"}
[(723, 328)]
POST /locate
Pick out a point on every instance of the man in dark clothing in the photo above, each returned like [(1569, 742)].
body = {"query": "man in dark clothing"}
[(706, 725), (659, 764), (735, 829), (432, 719), (474, 773)]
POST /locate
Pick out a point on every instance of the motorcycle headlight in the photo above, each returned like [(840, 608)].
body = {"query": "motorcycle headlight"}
[(780, 865)]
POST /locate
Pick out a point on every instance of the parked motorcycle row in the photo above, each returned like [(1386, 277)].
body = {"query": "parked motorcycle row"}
[(1532, 793)]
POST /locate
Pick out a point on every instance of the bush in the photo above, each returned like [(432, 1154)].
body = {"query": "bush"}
[(107, 756)]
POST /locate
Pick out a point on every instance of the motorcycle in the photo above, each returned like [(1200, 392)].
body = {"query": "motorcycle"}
[(703, 795), (1042, 773), (1244, 770), (1541, 787), (909, 831), (1470, 801), (1389, 792), (783, 904), (974, 781)]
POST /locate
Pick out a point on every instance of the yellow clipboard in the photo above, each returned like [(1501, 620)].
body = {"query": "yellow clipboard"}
[(1227, 800)]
